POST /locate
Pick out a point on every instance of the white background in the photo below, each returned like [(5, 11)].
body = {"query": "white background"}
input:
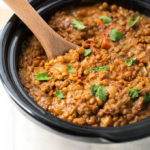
[(19, 133)]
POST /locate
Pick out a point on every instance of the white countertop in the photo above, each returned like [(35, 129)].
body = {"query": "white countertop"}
[(19, 133)]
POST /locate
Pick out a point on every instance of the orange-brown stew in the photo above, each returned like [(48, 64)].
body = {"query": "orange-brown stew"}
[(106, 81)]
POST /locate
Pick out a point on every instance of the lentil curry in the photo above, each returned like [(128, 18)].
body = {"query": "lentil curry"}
[(105, 81)]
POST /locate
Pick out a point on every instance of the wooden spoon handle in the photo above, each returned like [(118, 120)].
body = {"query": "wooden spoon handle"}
[(39, 27)]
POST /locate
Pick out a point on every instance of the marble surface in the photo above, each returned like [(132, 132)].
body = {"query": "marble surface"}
[(19, 133)]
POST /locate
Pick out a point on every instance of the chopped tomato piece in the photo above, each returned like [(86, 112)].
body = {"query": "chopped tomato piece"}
[(100, 22), (106, 43)]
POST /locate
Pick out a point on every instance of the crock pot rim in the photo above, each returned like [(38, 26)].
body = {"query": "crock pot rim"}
[(10, 89)]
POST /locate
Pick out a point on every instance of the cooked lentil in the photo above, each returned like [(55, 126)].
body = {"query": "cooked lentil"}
[(66, 92)]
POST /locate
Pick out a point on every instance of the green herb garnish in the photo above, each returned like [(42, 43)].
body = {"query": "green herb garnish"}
[(94, 89), (134, 93), (78, 24), (132, 23), (70, 68), (147, 98), (99, 91), (131, 62), (87, 52), (106, 19), (97, 69), (42, 76), (116, 35), (59, 94)]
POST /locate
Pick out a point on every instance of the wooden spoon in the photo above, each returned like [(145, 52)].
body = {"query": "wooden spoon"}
[(52, 43)]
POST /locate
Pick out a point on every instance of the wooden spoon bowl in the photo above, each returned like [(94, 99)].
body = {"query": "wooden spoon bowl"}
[(52, 43)]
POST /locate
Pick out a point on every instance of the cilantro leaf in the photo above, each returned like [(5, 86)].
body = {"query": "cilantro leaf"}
[(97, 69), (59, 94), (70, 68), (78, 24), (42, 76), (99, 91), (87, 52), (132, 23), (106, 19), (134, 93), (131, 62), (116, 35), (147, 98), (94, 89)]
